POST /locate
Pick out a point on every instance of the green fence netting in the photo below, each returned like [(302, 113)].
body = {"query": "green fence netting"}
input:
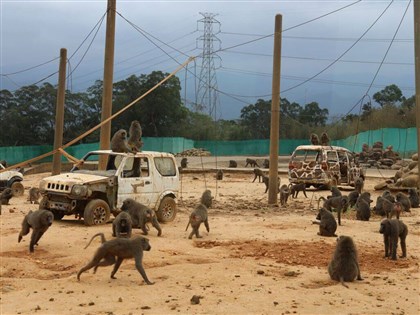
[(404, 141)]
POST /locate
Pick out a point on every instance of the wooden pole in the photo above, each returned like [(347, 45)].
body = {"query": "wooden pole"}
[(416, 8), (275, 114), (59, 112), (105, 135)]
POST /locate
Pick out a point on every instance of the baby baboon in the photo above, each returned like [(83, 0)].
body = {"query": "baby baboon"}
[(396, 210), (184, 162), (284, 194), (353, 198), (134, 139), (39, 220), (295, 188), (122, 225), (325, 139), (258, 173), (251, 162), (206, 198), (358, 184), (34, 195), (219, 174), (119, 142), (392, 229), (339, 203), (414, 197), (141, 215), (344, 266), (198, 216), (363, 206), (335, 192), (115, 251), (233, 164), (327, 223), (404, 200), (5, 196), (314, 139), (266, 163)]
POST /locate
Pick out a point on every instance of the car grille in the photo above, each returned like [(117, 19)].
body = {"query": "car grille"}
[(58, 187)]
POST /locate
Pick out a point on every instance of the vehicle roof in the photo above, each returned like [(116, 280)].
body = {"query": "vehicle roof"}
[(320, 147), (142, 153)]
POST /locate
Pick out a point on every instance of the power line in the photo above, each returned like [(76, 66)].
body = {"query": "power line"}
[(30, 68)]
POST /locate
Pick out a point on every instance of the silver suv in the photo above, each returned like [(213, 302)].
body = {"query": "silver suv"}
[(151, 178), (323, 166)]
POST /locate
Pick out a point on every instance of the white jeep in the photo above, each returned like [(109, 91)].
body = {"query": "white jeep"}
[(13, 180), (151, 178)]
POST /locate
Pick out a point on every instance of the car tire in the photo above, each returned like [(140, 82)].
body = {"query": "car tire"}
[(96, 212), (17, 189), (167, 210)]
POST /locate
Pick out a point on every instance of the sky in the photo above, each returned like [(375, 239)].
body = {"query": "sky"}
[(334, 53)]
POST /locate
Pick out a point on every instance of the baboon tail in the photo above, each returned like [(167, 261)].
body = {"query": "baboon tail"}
[(342, 282), (103, 240), (187, 225)]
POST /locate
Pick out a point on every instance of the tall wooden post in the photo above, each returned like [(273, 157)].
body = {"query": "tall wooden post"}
[(275, 114), (59, 112), (416, 7), (105, 135)]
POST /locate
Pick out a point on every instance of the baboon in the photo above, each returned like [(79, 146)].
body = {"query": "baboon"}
[(34, 195), (219, 174), (353, 198), (363, 206), (5, 196), (258, 173), (198, 216), (414, 197), (134, 139), (392, 229), (295, 188), (266, 163), (39, 220), (396, 209), (184, 162), (141, 215), (383, 206), (327, 223), (325, 139), (358, 184), (3, 162), (113, 252), (266, 181), (335, 192), (206, 198), (339, 203), (284, 194), (404, 200), (387, 194), (314, 139), (233, 164), (251, 162), (344, 266), (119, 142), (122, 225)]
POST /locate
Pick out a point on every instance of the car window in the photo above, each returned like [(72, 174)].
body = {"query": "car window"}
[(165, 166)]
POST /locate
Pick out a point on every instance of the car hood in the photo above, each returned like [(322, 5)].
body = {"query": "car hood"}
[(70, 179)]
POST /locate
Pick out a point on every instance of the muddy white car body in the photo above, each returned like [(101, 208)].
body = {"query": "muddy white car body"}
[(323, 166), (151, 178)]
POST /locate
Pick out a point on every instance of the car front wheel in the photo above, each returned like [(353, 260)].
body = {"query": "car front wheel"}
[(96, 212), (167, 210), (17, 189)]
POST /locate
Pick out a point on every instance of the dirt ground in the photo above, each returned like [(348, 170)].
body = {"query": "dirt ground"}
[(256, 259)]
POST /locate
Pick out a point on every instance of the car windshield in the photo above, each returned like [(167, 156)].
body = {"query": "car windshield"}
[(90, 164), (307, 156)]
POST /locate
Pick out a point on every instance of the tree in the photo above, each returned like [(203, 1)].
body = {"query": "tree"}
[(256, 119), (312, 115), (390, 95)]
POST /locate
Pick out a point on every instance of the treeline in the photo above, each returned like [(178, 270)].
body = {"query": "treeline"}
[(27, 115)]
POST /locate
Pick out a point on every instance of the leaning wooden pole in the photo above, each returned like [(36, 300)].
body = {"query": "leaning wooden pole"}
[(416, 7), (275, 114), (59, 112), (105, 135)]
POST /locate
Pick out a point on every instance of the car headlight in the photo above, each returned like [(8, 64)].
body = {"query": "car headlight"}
[(79, 190)]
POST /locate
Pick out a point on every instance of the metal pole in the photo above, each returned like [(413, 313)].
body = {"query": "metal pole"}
[(275, 114), (59, 112), (105, 135), (416, 8)]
